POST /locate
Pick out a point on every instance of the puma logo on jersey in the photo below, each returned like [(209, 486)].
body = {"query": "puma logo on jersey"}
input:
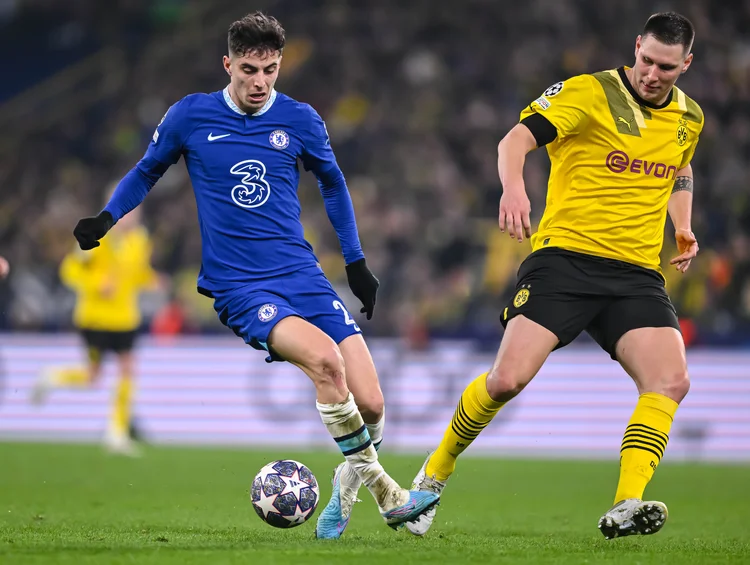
[(626, 122)]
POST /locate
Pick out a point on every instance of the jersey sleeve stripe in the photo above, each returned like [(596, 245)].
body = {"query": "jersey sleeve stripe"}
[(693, 112), (622, 114)]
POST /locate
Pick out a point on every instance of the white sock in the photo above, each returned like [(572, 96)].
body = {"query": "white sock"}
[(349, 477), (345, 424)]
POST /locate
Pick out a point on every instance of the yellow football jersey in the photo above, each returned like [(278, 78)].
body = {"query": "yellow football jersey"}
[(108, 280), (613, 166)]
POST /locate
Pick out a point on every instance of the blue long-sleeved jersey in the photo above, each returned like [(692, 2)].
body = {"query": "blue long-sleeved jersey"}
[(244, 174)]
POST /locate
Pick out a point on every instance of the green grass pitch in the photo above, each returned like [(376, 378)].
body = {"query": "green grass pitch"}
[(73, 504)]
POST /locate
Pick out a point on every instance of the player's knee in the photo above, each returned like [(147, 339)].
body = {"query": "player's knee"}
[(371, 406), (505, 382), (327, 365), (677, 385)]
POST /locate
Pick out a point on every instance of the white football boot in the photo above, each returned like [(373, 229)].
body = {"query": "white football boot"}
[(121, 444), (42, 387), (633, 516), (422, 482)]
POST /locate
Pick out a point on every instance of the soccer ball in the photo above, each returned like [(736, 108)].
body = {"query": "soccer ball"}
[(285, 493)]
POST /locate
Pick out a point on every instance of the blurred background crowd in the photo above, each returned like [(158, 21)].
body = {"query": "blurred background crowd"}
[(416, 98)]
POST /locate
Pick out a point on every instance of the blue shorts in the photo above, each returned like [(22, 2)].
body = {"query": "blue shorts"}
[(253, 310)]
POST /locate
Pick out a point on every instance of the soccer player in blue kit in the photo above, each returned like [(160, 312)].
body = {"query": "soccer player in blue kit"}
[(241, 146)]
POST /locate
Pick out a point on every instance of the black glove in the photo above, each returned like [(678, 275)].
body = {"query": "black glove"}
[(364, 285), (89, 231)]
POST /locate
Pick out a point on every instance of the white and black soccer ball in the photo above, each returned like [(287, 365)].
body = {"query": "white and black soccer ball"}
[(285, 493)]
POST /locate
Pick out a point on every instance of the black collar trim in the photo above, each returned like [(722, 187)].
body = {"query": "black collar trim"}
[(634, 94)]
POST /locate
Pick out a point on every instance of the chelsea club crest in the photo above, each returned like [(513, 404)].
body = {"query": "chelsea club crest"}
[(267, 312), (279, 139)]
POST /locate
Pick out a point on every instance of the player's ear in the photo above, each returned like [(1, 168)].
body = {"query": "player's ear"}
[(686, 64), (227, 65), (637, 45)]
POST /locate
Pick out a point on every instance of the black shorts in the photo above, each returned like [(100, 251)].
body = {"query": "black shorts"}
[(99, 341), (568, 293)]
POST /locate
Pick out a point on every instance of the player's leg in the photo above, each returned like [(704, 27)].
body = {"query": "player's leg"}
[(363, 383), (266, 320), (546, 313), (362, 379), (318, 302), (306, 346), (117, 437), (73, 376), (523, 350), (316, 299), (643, 335)]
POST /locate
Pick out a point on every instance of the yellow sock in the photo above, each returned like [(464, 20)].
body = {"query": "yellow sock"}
[(474, 411), (70, 376), (644, 443), (120, 422)]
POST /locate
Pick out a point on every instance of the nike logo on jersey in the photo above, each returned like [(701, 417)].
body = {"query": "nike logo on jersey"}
[(212, 137)]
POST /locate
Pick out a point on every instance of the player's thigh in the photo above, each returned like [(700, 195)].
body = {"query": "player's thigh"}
[(95, 346), (362, 378), (655, 359), (551, 293), (652, 309), (523, 350), (643, 335), (252, 313), (299, 342), (124, 342), (314, 298)]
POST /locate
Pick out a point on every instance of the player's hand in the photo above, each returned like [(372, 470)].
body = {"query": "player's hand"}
[(89, 231), (687, 245), (515, 213), (364, 285), (4, 268)]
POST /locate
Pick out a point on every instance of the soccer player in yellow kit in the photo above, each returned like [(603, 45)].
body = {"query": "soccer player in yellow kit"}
[(620, 144), (107, 281)]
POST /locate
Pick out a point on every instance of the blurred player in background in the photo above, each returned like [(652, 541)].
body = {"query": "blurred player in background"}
[(241, 146), (620, 144), (107, 283), (4, 267)]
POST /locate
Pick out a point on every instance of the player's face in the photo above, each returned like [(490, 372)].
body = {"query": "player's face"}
[(657, 67), (252, 77)]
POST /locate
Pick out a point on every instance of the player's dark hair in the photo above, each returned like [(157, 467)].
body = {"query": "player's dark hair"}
[(671, 28), (256, 33)]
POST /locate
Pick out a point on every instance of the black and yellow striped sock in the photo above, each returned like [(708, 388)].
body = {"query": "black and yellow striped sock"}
[(644, 443), (474, 411)]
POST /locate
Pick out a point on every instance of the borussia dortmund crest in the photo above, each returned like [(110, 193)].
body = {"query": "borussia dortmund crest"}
[(521, 297), (682, 133)]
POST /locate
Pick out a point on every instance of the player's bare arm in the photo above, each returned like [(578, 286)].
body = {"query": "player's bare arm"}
[(515, 208), (680, 211)]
